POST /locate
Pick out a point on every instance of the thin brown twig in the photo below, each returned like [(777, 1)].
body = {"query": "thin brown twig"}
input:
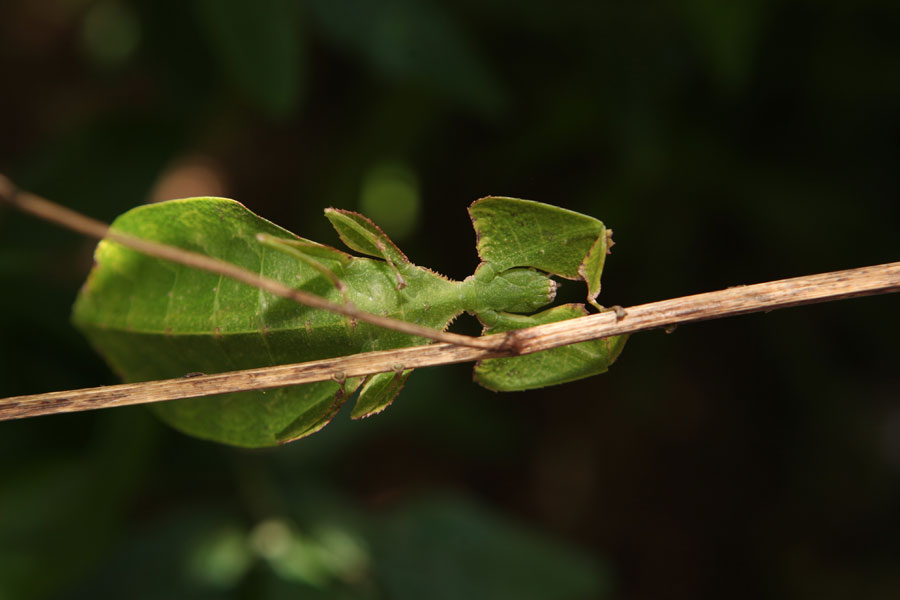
[(865, 281), (69, 219), (453, 349)]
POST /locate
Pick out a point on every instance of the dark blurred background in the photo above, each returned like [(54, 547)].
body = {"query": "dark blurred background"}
[(725, 142)]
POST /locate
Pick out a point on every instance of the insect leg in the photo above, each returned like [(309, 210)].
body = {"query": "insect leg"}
[(362, 235), (308, 252), (379, 391), (621, 313)]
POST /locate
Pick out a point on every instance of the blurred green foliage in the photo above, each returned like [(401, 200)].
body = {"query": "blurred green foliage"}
[(725, 143)]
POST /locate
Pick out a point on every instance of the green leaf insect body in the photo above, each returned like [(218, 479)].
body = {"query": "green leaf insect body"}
[(152, 319)]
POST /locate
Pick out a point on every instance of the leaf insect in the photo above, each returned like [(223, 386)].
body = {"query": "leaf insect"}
[(153, 319)]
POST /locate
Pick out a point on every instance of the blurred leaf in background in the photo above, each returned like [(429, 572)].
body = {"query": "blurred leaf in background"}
[(110, 34), (474, 554), (389, 195)]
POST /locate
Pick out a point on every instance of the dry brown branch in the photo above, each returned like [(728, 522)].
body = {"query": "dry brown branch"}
[(768, 296), (865, 281)]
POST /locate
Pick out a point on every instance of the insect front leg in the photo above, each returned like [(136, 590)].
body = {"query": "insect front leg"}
[(362, 235), (520, 233), (311, 254), (621, 313)]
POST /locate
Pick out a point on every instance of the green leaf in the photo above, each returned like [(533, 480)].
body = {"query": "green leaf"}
[(448, 548)]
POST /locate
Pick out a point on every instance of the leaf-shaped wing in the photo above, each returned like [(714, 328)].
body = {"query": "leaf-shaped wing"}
[(153, 319)]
